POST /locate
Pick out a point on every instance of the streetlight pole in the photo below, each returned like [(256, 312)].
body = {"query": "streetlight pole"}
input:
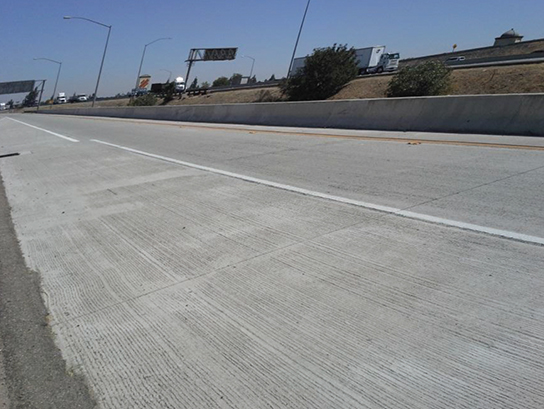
[(105, 49), (298, 38), (142, 61), (252, 65), (169, 74), (58, 73)]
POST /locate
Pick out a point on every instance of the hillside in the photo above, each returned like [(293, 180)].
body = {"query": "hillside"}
[(490, 80)]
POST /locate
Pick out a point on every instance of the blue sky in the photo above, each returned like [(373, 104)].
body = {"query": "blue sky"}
[(263, 29)]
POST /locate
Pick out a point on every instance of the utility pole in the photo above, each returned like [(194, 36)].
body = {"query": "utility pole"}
[(298, 38), (58, 73), (105, 49), (142, 61)]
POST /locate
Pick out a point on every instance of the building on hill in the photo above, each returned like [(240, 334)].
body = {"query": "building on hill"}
[(508, 38), (508, 44)]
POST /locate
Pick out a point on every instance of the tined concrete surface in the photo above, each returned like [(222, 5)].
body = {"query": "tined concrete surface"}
[(32, 371), (478, 184), (4, 399), (171, 287)]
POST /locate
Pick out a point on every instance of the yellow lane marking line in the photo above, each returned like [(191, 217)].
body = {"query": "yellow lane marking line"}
[(410, 141)]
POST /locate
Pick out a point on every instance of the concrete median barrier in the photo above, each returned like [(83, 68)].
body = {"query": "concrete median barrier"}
[(514, 114)]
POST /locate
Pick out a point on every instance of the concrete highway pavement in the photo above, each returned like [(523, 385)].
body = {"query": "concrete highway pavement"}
[(4, 399), (170, 283), (481, 184)]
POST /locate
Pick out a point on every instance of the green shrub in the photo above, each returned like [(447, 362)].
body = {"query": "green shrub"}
[(430, 78), (144, 100), (221, 82), (236, 79), (169, 90), (30, 99), (325, 72)]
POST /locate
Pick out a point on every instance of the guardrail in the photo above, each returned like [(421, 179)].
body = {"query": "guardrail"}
[(496, 63), (269, 84)]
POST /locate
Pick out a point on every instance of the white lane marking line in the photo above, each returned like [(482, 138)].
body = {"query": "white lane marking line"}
[(372, 206), (45, 130)]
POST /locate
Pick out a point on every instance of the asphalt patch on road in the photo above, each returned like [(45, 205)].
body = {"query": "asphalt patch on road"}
[(36, 374)]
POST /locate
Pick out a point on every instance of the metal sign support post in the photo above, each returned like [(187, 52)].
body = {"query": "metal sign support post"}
[(298, 38), (41, 93), (190, 65)]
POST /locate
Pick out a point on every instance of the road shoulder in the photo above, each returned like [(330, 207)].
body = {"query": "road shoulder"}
[(4, 400), (36, 374)]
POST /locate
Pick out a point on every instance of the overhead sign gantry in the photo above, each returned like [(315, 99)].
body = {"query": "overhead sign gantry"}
[(19, 87), (209, 54)]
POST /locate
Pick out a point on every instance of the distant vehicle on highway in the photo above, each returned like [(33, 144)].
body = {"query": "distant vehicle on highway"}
[(78, 98), (61, 99), (180, 84), (2, 106), (159, 88), (374, 60), (370, 60), (138, 92), (455, 59)]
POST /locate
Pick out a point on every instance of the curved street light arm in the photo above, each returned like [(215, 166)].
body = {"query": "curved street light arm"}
[(252, 65), (58, 72), (142, 60), (47, 59), (88, 19), (158, 39)]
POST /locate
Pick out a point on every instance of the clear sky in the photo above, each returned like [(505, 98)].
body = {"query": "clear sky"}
[(263, 29)]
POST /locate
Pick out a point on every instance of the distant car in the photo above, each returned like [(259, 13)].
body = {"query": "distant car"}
[(180, 84), (138, 92), (61, 99), (82, 98), (455, 59)]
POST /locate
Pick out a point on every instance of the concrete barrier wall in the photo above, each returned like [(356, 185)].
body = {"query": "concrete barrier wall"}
[(515, 114)]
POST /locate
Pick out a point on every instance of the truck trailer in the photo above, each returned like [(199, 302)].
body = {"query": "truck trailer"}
[(61, 99), (159, 88), (370, 60)]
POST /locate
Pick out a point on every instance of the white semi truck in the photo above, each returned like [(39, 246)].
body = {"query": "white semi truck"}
[(370, 60)]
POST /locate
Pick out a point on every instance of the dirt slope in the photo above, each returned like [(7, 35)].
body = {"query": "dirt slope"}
[(492, 80)]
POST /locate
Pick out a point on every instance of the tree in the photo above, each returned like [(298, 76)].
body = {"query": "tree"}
[(10, 104), (205, 85), (430, 78), (272, 78), (325, 72), (252, 80), (221, 82), (194, 84), (30, 99), (169, 90), (236, 79)]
